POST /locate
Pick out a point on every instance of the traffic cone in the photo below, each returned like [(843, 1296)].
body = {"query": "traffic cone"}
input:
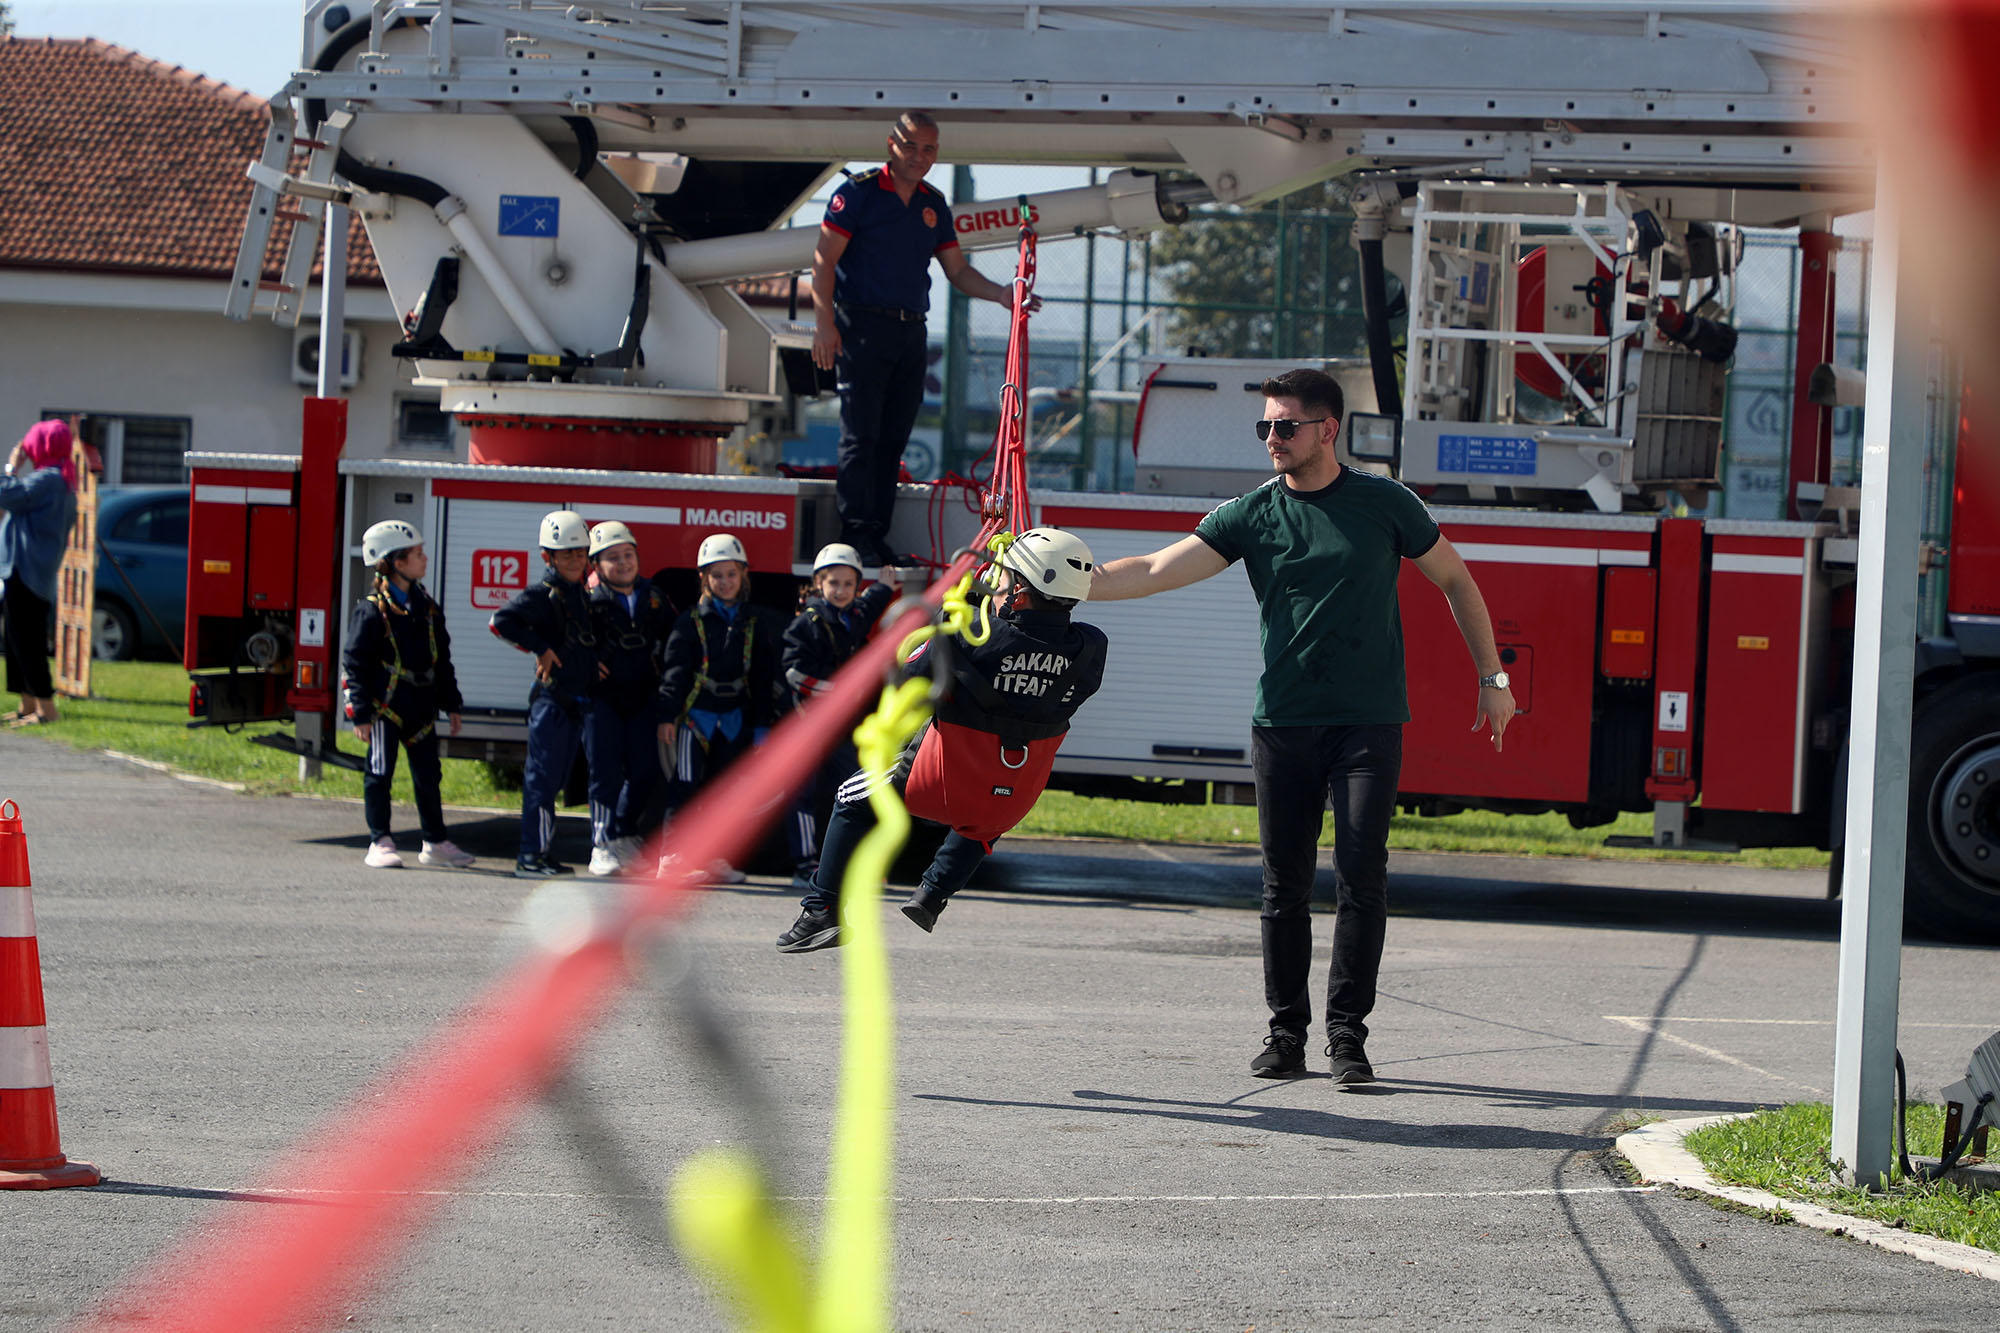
[(31, 1156)]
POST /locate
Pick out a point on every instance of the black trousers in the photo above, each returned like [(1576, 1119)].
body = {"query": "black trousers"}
[(28, 642), (426, 773), (881, 370), (1297, 769), (853, 817)]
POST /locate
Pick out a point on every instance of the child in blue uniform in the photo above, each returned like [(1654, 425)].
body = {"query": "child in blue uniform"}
[(397, 669), (632, 620), (836, 620), (551, 622), (721, 690)]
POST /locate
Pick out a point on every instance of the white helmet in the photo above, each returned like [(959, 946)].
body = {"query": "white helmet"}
[(1054, 563), (388, 537), (837, 553), (607, 535), (718, 548), (564, 530)]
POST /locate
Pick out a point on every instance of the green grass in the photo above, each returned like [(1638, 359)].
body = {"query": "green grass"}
[(140, 708), (1785, 1151)]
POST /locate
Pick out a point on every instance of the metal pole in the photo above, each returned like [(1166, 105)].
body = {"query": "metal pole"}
[(952, 452), (308, 728), (1085, 435), (1878, 778)]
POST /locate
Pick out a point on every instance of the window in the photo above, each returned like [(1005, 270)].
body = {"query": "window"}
[(164, 523), (136, 450), (422, 424)]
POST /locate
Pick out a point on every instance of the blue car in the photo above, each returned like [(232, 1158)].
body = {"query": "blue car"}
[(145, 530)]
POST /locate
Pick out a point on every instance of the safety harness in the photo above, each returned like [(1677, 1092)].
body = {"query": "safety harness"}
[(706, 684), (381, 600)]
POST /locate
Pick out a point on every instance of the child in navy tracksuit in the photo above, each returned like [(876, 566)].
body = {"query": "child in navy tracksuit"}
[(397, 669), (632, 619), (821, 638), (721, 690), (981, 764), (551, 622)]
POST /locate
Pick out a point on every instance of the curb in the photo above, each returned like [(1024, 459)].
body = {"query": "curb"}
[(1657, 1153)]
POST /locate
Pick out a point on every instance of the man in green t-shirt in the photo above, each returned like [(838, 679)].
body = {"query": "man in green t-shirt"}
[(1324, 546)]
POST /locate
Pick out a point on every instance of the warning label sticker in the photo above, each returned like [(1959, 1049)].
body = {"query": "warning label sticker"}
[(1673, 710)]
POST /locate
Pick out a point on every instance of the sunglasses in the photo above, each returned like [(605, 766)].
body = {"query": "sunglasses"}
[(1285, 427)]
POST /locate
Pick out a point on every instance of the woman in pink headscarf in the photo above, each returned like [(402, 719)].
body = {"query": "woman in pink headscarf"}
[(37, 508)]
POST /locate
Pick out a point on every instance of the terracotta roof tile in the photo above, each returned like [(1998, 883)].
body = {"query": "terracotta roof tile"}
[(118, 163)]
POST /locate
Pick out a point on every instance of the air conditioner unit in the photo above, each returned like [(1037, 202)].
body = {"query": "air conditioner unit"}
[(305, 357)]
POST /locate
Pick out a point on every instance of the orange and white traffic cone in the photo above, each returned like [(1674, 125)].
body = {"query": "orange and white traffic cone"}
[(31, 1156)]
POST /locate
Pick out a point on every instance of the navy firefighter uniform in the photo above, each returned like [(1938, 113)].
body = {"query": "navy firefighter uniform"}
[(553, 614), (619, 738), (818, 642), (399, 677), (881, 294), (981, 764), (721, 688)]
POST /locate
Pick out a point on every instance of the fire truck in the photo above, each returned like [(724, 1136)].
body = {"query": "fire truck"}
[(561, 196)]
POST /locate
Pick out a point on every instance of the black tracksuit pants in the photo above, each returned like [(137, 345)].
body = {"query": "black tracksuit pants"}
[(426, 773)]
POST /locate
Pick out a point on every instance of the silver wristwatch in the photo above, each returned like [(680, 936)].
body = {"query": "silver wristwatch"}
[(1496, 681)]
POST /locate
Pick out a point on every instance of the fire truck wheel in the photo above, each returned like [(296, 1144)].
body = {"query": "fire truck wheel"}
[(1952, 888)]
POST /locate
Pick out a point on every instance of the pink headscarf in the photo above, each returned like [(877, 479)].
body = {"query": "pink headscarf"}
[(49, 444)]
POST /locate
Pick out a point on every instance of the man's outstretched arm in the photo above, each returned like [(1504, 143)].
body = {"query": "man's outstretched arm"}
[(1189, 560)]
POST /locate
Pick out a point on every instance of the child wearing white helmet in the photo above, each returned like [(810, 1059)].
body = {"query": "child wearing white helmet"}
[(980, 765), (551, 623), (720, 691), (397, 673), (836, 620), (632, 618)]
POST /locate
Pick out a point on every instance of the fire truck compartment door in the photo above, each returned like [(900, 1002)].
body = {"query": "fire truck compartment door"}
[(489, 554)]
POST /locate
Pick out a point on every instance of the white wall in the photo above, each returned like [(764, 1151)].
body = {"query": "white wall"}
[(161, 347)]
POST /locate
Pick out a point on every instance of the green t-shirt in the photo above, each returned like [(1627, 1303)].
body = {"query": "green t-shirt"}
[(1324, 566)]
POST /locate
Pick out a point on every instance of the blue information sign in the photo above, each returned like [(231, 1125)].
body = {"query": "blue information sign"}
[(529, 214), (1500, 455)]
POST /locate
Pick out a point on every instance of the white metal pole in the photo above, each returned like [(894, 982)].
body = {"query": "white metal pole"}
[(332, 351), (1878, 774)]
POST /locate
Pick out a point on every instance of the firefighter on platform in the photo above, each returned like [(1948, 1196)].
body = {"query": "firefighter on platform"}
[(871, 288), (632, 619), (721, 690), (397, 669), (836, 620), (983, 761), (551, 623)]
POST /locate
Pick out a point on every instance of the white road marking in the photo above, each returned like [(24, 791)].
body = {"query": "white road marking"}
[(1785, 1022), (1646, 1025), (1541, 1193)]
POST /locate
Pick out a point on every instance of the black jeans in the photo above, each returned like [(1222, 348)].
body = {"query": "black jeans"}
[(1296, 768), (27, 642), (881, 369), (852, 819)]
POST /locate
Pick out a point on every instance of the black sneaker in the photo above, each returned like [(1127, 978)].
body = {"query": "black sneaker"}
[(1284, 1055), (813, 930), (1350, 1061), (923, 909), (538, 867)]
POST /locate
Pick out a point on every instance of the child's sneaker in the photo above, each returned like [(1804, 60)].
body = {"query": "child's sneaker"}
[(604, 861), (446, 853), (382, 855), (721, 872)]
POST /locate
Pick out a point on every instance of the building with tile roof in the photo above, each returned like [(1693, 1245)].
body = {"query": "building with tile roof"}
[(120, 218)]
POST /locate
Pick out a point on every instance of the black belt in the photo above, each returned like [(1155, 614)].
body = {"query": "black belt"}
[(895, 312)]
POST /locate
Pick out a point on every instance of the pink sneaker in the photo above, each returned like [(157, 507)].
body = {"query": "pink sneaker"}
[(382, 855), (446, 853)]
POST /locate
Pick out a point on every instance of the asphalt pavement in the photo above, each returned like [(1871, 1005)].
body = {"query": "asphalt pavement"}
[(1079, 1143)]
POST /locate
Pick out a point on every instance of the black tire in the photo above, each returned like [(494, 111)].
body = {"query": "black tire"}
[(1952, 885), (114, 633)]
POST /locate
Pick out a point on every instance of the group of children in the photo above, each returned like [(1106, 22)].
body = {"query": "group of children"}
[(619, 673), (659, 701)]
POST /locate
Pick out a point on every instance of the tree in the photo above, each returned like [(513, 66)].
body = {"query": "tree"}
[(6, 19), (1225, 263)]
